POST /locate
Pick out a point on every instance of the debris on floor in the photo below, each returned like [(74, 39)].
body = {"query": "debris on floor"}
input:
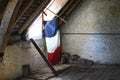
[(66, 62), (59, 68), (55, 78), (75, 59), (65, 58), (47, 73)]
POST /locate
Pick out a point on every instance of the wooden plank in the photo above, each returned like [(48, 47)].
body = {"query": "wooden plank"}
[(59, 68), (65, 7), (47, 73), (95, 74), (76, 73), (3, 4), (1, 17), (23, 9), (34, 15), (69, 8), (100, 72), (57, 15), (6, 24), (115, 75), (43, 56), (106, 72)]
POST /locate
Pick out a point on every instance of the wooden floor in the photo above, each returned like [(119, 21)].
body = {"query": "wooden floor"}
[(95, 72), (81, 72)]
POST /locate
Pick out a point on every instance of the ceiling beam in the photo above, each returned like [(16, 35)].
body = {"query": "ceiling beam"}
[(6, 23), (34, 16), (68, 8), (3, 4), (22, 10), (65, 7)]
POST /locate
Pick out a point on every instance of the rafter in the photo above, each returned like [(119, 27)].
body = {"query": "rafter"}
[(7, 21), (22, 10), (34, 16), (68, 8), (3, 4)]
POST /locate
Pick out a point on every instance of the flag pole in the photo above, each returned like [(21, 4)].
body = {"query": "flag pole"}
[(42, 20), (45, 47), (57, 15)]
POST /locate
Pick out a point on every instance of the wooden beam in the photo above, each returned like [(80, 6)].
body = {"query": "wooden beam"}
[(68, 8), (73, 6), (44, 58), (23, 9), (65, 7), (1, 15), (3, 4), (57, 15), (34, 15), (6, 24)]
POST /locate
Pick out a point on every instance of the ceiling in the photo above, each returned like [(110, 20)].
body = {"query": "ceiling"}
[(27, 11)]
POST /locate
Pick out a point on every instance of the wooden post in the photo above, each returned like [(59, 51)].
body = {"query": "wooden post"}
[(43, 56)]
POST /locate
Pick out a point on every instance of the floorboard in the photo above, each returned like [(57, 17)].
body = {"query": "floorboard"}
[(94, 72), (79, 72)]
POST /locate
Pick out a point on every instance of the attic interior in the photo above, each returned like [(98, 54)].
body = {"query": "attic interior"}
[(88, 36)]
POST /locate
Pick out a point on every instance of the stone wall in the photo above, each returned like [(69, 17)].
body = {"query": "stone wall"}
[(92, 31), (16, 56)]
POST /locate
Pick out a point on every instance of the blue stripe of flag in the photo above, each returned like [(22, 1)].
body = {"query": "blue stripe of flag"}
[(51, 27)]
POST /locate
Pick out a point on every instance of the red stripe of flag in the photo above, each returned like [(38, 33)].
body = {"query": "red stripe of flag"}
[(55, 57)]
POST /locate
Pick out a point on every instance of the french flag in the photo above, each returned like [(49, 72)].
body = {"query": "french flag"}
[(52, 37)]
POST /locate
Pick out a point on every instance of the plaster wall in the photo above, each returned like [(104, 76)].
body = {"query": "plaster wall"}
[(16, 56), (92, 31)]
